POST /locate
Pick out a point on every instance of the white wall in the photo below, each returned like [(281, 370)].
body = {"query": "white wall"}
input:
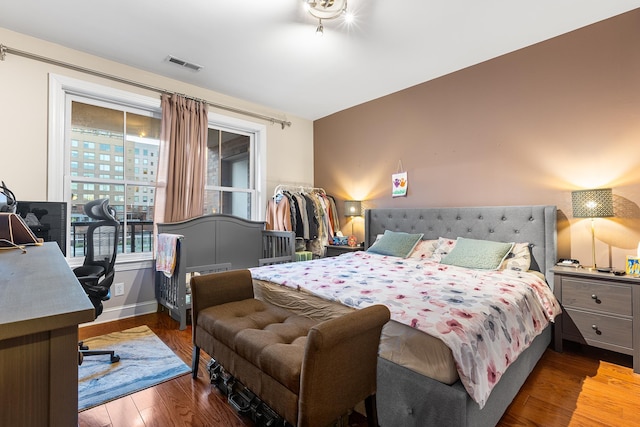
[(23, 115), (24, 129)]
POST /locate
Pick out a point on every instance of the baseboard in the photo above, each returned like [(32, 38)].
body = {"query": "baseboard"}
[(125, 311)]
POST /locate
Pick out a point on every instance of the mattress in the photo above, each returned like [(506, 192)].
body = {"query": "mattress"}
[(399, 343)]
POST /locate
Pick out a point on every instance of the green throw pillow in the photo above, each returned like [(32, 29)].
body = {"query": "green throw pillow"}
[(479, 254), (395, 243)]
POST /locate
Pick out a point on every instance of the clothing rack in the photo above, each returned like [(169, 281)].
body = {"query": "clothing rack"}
[(296, 188), (308, 211)]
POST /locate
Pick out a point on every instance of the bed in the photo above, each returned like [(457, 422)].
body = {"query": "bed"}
[(407, 393), (211, 243)]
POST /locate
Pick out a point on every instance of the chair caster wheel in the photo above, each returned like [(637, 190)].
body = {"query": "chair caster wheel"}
[(115, 358)]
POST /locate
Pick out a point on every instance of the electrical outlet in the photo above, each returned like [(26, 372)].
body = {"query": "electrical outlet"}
[(118, 289)]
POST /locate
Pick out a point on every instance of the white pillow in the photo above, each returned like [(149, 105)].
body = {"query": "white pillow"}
[(424, 249), (443, 247), (519, 259)]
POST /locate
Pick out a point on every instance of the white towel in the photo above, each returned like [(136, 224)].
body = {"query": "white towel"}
[(166, 253)]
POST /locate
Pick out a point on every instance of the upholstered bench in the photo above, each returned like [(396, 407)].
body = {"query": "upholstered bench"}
[(311, 373)]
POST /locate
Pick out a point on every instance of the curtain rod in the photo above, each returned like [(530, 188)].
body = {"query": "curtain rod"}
[(5, 49)]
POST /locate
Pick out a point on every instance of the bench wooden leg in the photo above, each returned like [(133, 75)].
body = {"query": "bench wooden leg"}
[(195, 361), (372, 411)]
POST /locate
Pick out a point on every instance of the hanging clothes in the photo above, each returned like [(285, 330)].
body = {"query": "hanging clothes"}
[(308, 211), (278, 215)]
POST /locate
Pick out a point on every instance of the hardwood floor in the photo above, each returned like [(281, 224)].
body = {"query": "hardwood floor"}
[(582, 386), (579, 387)]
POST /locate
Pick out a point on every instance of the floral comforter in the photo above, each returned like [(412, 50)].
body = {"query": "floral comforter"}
[(486, 318)]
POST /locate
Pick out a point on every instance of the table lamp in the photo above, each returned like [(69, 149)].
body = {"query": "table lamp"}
[(352, 208), (596, 203)]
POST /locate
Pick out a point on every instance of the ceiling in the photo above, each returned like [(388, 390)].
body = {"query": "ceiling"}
[(266, 52)]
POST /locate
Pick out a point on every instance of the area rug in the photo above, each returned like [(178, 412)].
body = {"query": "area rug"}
[(145, 361)]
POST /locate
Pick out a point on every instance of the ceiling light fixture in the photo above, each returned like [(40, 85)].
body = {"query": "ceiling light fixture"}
[(326, 9)]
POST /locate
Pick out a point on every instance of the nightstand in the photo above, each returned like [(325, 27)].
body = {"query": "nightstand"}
[(599, 309), (335, 250)]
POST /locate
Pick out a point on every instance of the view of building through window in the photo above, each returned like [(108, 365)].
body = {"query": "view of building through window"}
[(114, 154)]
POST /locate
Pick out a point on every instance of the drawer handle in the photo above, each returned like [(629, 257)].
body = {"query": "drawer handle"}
[(595, 328), (596, 299)]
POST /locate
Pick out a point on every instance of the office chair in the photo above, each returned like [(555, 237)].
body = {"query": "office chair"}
[(97, 272)]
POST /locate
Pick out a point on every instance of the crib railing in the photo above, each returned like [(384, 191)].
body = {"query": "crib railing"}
[(278, 247), (173, 293)]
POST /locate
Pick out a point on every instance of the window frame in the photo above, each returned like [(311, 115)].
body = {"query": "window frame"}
[(59, 179), (252, 189)]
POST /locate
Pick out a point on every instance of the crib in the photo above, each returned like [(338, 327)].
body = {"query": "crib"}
[(212, 243)]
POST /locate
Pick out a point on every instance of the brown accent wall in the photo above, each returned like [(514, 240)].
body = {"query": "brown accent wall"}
[(524, 128)]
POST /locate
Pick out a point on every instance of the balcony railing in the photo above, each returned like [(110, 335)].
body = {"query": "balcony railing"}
[(135, 237)]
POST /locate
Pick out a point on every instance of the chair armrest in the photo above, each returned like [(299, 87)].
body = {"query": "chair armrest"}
[(340, 364)]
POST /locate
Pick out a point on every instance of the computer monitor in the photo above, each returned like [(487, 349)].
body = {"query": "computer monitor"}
[(47, 220)]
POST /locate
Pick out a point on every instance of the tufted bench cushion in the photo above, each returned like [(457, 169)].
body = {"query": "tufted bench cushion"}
[(271, 338)]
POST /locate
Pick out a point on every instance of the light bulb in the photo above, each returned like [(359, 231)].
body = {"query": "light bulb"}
[(349, 17)]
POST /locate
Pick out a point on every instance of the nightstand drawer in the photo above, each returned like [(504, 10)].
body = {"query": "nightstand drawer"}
[(600, 296), (336, 250), (598, 328)]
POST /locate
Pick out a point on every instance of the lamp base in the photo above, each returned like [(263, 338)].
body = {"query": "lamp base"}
[(599, 269)]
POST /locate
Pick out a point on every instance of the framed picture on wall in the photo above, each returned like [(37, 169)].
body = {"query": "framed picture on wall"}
[(399, 184)]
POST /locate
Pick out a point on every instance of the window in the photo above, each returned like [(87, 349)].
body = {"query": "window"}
[(108, 122), (230, 185), (105, 126)]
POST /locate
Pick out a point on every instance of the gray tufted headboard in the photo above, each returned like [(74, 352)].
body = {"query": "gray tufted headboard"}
[(533, 224)]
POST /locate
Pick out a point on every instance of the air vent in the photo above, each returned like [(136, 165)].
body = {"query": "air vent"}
[(183, 63)]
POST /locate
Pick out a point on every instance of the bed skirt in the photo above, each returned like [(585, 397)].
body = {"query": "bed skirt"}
[(408, 399)]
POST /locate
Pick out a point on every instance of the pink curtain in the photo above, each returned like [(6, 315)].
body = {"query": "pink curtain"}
[(182, 163)]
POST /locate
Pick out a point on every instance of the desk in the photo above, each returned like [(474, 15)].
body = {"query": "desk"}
[(41, 306)]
